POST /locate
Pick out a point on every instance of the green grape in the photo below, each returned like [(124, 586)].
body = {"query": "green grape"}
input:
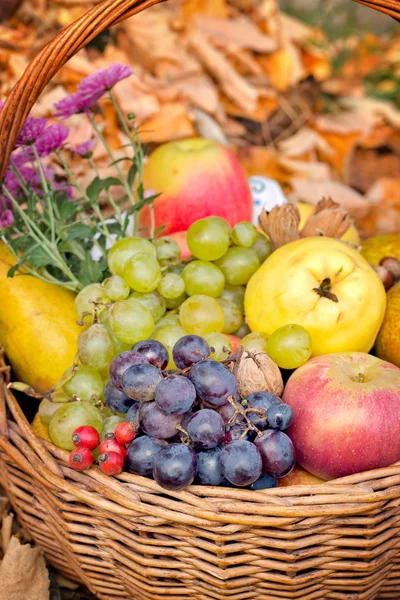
[(167, 250), (95, 347), (118, 345), (173, 304), (70, 416), (244, 234), (131, 321), (233, 315), (171, 318), (255, 341), (235, 294), (59, 396), (153, 301), (289, 346), (177, 269), (208, 239), (116, 288), (84, 301), (110, 423), (47, 409), (262, 247), (243, 330), (171, 286), (220, 345), (142, 273), (238, 265), (86, 384), (168, 336), (124, 249), (201, 315), (203, 277)]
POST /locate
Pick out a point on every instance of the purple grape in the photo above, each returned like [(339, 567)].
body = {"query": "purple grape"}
[(277, 453), (227, 411), (235, 432), (156, 423), (140, 382), (121, 363), (154, 352), (206, 429), (209, 470), (261, 401), (264, 482), (116, 399), (141, 454), (175, 467), (279, 416), (189, 350), (132, 416), (214, 383), (175, 395), (241, 463)]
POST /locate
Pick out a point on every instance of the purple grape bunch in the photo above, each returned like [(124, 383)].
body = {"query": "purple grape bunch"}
[(193, 426)]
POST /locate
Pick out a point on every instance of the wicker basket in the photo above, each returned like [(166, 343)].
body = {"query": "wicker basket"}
[(128, 538)]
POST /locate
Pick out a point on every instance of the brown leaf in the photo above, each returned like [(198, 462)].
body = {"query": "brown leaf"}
[(312, 192), (232, 84), (365, 166), (23, 573), (240, 32)]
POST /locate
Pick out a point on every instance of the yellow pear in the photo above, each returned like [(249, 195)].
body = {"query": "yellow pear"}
[(38, 326)]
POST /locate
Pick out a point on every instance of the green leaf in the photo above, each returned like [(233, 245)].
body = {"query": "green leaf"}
[(132, 174), (143, 202), (159, 230), (90, 271), (98, 185), (79, 231), (38, 257)]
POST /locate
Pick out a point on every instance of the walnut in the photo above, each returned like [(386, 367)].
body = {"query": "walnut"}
[(257, 372)]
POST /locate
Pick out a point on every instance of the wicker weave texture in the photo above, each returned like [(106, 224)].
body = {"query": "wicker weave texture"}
[(128, 538)]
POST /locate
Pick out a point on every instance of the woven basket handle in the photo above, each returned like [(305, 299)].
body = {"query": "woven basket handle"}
[(49, 60)]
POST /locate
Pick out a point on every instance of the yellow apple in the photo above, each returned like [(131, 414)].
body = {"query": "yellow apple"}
[(324, 285), (351, 235)]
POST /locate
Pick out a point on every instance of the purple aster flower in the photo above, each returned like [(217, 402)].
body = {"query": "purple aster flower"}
[(11, 183), (75, 104), (105, 79), (85, 150), (6, 219), (51, 139), (63, 187), (31, 131)]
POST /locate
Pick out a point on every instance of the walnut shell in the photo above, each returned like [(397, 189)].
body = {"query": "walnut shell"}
[(257, 372)]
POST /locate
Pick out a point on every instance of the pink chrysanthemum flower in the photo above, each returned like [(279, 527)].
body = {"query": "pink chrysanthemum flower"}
[(31, 131), (75, 104), (105, 79), (85, 150), (6, 219), (52, 139)]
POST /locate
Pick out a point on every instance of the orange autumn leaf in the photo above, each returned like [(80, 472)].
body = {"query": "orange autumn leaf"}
[(342, 145), (213, 8), (258, 160)]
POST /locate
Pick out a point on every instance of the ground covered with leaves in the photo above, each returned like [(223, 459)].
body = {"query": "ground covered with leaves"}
[(313, 109)]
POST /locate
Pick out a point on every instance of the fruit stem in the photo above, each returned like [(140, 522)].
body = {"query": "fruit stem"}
[(324, 290)]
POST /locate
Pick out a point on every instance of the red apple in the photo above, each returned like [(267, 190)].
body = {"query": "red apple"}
[(346, 414), (180, 239), (197, 178), (299, 476)]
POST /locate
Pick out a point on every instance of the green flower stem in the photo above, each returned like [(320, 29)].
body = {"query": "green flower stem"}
[(110, 198), (47, 194), (121, 175), (42, 241), (92, 204)]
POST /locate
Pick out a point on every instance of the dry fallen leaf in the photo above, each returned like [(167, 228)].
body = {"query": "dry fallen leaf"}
[(312, 192), (23, 573), (241, 32)]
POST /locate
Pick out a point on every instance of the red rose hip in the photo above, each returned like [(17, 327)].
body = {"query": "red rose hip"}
[(86, 436)]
